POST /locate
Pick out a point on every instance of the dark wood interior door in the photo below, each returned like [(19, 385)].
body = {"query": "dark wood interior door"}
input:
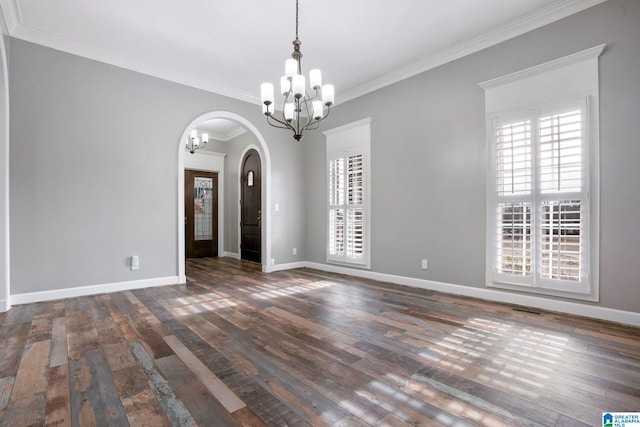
[(250, 207), (201, 214)]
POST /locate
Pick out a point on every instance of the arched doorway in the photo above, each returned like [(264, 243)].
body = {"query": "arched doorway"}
[(263, 151)]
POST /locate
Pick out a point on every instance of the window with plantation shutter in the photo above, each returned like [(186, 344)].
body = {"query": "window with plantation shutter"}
[(348, 190), (542, 186), (539, 227)]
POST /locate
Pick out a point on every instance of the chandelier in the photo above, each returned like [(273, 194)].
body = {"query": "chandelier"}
[(193, 142), (300, 111)]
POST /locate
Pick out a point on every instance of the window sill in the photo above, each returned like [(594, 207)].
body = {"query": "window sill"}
[(592, 297), (365, 266)]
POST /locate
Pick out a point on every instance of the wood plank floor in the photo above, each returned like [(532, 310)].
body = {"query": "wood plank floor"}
[(305, 348)]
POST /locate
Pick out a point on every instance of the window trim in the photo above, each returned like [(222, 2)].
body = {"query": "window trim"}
[(514, 96), (342, 142)]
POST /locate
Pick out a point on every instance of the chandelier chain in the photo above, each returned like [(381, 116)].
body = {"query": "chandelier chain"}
[(296, 19)]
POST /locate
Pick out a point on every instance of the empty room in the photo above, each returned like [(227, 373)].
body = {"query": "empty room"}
[(320, 213)]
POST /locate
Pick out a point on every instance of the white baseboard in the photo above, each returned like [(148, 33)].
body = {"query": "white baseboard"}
[(4, 305), (81, 291), (231, 255), (288, 266), (586, 310)]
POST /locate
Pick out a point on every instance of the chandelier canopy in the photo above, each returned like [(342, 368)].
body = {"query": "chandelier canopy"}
[(300, 111)]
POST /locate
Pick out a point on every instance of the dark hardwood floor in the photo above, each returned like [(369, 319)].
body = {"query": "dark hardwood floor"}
[(305, 348)]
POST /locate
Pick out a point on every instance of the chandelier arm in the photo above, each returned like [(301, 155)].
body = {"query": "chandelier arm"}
[(285, 124), (282, 124), (328, 111), (310, 125), (307, 102), (307, 99)]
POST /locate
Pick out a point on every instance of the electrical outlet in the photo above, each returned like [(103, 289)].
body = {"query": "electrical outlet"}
[(135, 263), (425, 266), (273, 261), (295, 251)]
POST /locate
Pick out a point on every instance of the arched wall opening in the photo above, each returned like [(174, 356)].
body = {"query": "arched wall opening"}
[(263, 151)]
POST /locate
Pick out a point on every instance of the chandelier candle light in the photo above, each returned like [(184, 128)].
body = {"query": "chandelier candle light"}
[(300, 111), (193, 143)]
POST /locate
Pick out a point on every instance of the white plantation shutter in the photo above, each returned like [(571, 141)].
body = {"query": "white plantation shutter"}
[(346, 214), (513, 187), (348, 204), (540, 235), (514, 158), (513, 239), (355, 211), (561, 220), (336, 232), (561, 246), (336, 207), (561, 152)]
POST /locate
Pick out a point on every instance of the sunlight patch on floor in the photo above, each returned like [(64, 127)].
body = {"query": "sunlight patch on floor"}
[(526, 357), (460, 403), (289, 290)]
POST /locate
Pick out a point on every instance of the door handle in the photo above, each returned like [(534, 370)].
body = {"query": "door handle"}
[(259, 218)]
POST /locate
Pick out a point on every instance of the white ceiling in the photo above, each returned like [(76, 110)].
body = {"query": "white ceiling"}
[(231, 46), (221, 129)]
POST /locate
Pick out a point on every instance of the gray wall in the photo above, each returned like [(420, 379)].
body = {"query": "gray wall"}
[(428, 156), (94, 155)]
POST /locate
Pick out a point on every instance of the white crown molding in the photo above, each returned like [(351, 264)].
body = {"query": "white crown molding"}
[(536, 19), (208, 153), (543, 16), (81, 291), (224, 137), (99, 54)]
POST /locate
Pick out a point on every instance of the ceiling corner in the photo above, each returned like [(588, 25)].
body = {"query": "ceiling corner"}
[(10, 13)]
